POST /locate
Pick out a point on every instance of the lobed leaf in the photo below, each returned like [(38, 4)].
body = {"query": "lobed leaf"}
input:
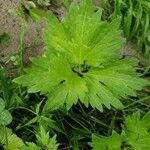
[(136, 131), (110, 143), (82, 62), (135, 135)]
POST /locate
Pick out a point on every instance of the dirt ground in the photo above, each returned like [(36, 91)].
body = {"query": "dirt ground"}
[(11, 25)]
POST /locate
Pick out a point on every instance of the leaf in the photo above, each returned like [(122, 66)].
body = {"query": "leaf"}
[(135, 134), (30, 146), (63, 84), (44, 140), (140, 142), (82, 62), (5, 116), (136, 124), (47, 122), (110, 143), (2, 105), (37, 14), (13, 142), (136, 131), (84, 37)]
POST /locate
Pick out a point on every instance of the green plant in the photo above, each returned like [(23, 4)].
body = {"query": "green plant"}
[(45, 141), (135, 135), (82, 61), (9, 92), (11, 141), (44, 120)]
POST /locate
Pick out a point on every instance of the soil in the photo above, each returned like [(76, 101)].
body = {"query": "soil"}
[(11, 24)]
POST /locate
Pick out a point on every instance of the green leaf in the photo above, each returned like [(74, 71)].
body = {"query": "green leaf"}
[(64, 84), (10, 140), (44, 140), (135, 134), (5, 116), (139, 142), (110, 143), (136, 124), (37, 14), (30, 146), (136, 131), (84, 37), (82, 62)]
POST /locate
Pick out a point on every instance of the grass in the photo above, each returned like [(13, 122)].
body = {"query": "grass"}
[(135, 22)]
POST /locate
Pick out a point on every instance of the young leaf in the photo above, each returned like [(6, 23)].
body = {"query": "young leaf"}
[(136, 132), (44, 140), (82, 62), (110, 143)]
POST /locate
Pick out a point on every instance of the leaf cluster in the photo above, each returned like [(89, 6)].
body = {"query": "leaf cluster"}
[(11, 141), (135, 135)]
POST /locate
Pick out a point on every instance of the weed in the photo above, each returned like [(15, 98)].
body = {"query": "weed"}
[(80, 93)]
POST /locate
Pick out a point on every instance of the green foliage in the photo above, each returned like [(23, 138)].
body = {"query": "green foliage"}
[(110, 143), (5, 116), (135, 16), (4, 87), (135, 135), (82, 65), (31, 146), (9, 93), (9, 140), (82, 61), (136, 131), (45, 141)]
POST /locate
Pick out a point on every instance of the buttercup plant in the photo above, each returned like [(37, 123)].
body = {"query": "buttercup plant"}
[(82, 62)]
